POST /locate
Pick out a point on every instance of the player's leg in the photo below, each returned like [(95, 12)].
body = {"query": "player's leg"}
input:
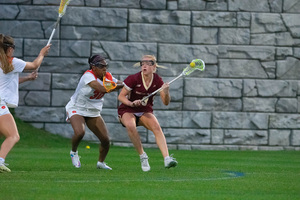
[(98, 127), (9, 130), (78, 125), (129, 121), (149, 121)]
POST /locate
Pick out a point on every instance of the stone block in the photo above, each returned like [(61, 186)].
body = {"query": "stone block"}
[(238, 36), (259, 104), (287, 105), (32, 47), (22, 29), (41, 83), (9, 12), (267, 39), (245, 5), (61, 97), (217, 136), (65, 81), (204, 35), (214, 19), (239, 120), (269, 88), (185, 136), (159, 33), (284, 121), (168, 119), (121, 3), (234, 68), (74, 48), (136, 49), (212, 104), (295, 138), (213, 87), (93, 33), (243, 19), (37, 98), (291, 6), (81, 16), (263, 53), (191, 5), (160, 17), (41, 114), (288, 69), (245, 137), (279, 137), (220, 5), (186, 53), (196, 119), (154, 4), (62, 65)]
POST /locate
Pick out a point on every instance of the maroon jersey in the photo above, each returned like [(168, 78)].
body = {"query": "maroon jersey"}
[(138, 90)]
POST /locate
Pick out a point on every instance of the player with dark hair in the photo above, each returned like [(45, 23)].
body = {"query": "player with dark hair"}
[(85, 106)]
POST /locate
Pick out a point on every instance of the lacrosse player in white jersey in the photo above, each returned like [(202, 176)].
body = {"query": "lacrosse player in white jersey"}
[(86, 104), (10, 67)]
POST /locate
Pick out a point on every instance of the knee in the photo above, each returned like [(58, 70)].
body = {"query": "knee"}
[(14, 138), (17, 138), (105, 141), (79, 133)]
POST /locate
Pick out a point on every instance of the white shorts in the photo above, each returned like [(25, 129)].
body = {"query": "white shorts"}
[(3, 109), (72, 110)]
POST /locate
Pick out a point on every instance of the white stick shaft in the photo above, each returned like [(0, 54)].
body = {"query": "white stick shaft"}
[(53, 31), (51, 36), (156, 91)]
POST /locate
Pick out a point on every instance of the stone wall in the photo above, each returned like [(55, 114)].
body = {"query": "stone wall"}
[(247, 98)]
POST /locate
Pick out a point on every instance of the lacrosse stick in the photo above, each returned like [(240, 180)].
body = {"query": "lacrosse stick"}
[(196, 64), (61, 12)]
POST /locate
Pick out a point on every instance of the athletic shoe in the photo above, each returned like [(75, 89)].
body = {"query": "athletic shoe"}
[(102, 165), (75, 159), (3, 167), (144, 162), (170, 162)]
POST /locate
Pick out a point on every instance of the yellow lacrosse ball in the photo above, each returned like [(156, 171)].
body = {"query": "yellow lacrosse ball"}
[(192, 64), (88, 147)]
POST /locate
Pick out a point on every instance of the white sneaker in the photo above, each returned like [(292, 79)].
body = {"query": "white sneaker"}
[(3, 167), (144, 162), (170, 162), (75, 159), (102, 165)]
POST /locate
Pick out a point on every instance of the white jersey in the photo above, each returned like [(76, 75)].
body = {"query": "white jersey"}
[(9, 83), (85, 96)]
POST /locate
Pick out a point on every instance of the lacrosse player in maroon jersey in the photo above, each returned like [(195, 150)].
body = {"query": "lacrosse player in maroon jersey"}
[(85, 106), (132, 113)]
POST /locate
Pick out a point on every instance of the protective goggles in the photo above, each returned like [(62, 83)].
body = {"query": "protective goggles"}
[(10, 45), (147, 62), (100, 64)]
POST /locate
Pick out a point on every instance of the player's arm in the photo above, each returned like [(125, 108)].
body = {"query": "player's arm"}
[(165, 94), (30, 77), (97, 86), (38, 61), (123, 98)]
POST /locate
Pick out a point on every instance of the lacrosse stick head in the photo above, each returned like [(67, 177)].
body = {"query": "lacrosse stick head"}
[(62, 7), (108, 84), (196, 64)]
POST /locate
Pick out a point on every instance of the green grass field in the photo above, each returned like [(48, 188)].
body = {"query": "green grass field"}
[(42, 169)]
